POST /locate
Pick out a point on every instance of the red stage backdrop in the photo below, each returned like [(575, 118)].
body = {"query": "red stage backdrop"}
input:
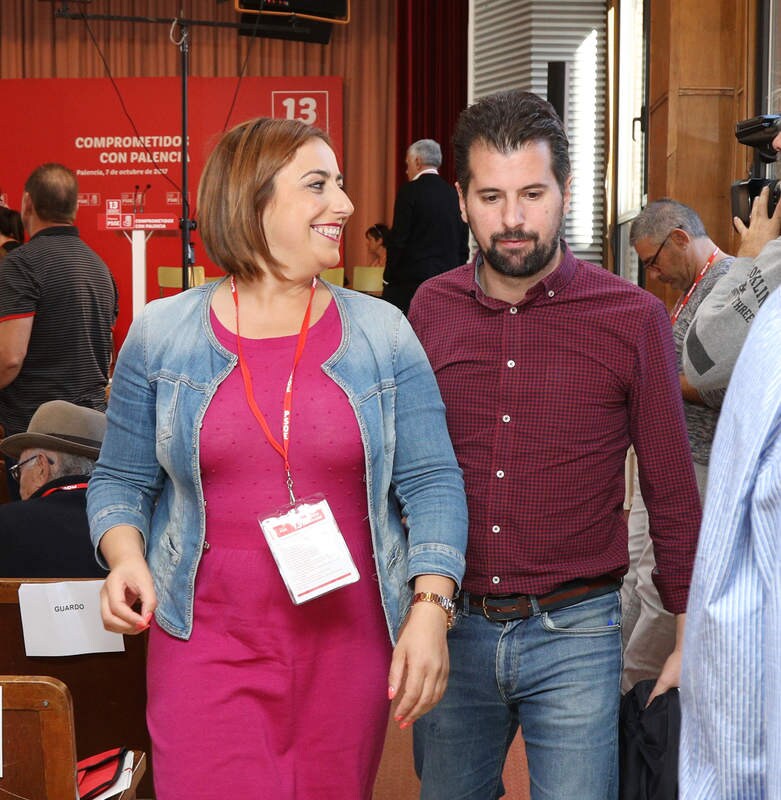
[(80, 123)]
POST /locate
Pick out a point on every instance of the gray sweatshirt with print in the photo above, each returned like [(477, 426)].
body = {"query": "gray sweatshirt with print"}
[(715, 337)]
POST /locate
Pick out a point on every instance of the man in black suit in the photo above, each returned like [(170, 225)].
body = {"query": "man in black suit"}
[(46, 533), (428, 234)]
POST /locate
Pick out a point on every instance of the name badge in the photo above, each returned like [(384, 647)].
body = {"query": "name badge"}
[(310, 552)]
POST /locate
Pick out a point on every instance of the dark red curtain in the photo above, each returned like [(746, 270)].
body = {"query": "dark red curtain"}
[(432, 69)]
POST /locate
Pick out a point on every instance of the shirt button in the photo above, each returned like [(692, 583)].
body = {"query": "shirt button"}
[(510, 363), (500, 473), (506, 418), (513, 310), (551, 293), (495, 579), (495, 528)]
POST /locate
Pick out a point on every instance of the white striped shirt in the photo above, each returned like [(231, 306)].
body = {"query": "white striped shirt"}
[(731, 680)]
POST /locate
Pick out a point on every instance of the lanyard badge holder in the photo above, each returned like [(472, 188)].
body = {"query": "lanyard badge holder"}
[(309, 550)]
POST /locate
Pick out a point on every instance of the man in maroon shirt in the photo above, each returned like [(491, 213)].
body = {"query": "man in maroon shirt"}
[(550, 367)]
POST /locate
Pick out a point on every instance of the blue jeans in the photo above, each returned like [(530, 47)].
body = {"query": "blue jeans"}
[(558, 674)]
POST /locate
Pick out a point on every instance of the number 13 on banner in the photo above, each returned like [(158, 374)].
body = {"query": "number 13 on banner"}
[(309, 107)]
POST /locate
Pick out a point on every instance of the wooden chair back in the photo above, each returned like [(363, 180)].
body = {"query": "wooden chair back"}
[(108, 689), (39, 740)]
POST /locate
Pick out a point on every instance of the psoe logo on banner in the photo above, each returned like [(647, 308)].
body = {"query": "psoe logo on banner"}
[(89, 199)]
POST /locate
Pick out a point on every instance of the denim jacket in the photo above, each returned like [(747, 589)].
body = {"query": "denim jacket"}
[(148, 473)]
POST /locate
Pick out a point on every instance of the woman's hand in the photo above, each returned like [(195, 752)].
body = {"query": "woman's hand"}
[(128, 582), (420, 663)]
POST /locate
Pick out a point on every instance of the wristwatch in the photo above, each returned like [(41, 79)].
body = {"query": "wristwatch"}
[(445, 603)]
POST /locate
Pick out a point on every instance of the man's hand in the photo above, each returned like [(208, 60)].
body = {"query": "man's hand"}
[(761, 230), (670, 676)]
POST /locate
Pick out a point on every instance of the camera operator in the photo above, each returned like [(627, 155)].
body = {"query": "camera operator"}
[(715, 338)]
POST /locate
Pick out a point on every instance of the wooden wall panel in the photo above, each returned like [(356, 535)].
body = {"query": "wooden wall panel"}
[(702, 117), (701, 71)]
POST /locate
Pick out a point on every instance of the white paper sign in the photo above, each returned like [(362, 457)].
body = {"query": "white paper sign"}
[(63, 619)]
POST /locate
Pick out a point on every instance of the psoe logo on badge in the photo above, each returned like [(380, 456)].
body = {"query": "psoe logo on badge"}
[(283, 529)]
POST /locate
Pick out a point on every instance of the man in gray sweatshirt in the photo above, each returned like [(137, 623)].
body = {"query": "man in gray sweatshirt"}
[(715, 338)]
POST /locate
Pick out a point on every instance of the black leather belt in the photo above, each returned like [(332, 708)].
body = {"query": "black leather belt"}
[(503, 608)]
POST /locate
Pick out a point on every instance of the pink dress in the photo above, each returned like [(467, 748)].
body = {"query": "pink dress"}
[(268, 699)]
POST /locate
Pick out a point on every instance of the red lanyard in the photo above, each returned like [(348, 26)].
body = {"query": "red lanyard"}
[(681, 304), (287, 407), (69, 488)]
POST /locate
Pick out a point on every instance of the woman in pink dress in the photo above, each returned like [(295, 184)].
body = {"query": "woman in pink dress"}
[(266, 436)]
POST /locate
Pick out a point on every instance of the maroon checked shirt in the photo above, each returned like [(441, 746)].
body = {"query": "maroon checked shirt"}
[(543, 399)]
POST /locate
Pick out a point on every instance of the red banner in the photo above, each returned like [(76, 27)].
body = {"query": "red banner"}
[(132, 178)]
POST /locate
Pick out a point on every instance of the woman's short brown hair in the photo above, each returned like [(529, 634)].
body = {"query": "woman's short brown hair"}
[(236, 187)]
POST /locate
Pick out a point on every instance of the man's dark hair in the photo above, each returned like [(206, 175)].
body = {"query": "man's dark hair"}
[(506, 121), (54, 192)]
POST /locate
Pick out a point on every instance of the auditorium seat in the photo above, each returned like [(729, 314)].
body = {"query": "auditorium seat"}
[(108, 689), (171, 277), (39, 757), (334, 275), (368, 279)]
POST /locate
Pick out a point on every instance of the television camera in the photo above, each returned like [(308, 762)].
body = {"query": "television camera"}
[(757, 132)]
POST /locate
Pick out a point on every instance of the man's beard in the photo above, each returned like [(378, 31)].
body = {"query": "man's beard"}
[(519, 264)]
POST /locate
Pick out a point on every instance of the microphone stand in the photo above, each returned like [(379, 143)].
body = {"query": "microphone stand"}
[(186, 224)]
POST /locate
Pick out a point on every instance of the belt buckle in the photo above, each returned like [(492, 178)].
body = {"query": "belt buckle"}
[(485, 610)]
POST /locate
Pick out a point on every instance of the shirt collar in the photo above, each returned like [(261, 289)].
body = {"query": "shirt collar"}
[(427, 171), (58, 230)]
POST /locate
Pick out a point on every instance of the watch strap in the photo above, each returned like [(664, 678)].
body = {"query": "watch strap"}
[(447, 604)]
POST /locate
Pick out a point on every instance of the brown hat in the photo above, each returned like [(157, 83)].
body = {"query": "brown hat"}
[(60, 426)]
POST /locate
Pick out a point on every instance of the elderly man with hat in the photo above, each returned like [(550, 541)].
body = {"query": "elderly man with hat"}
[(46, 534)]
